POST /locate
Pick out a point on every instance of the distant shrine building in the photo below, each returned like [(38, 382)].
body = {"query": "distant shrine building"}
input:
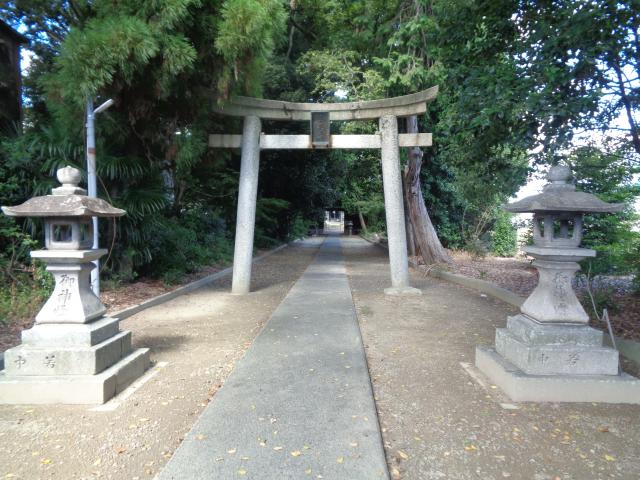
[(333, 221)]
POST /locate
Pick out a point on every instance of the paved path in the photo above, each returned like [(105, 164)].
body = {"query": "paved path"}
[(299, 404)]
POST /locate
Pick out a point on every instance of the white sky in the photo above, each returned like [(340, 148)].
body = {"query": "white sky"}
[(25, 60)]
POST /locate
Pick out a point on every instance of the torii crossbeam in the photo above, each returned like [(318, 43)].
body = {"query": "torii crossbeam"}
[(388, 140)]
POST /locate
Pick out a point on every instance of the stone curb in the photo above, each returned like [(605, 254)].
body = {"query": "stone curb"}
[(165, 297), (485, 287), (629, 348)]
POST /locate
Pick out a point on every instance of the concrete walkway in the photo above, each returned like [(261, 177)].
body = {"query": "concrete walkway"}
[(300, 403)]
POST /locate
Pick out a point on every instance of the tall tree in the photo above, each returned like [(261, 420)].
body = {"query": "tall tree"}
[(584, 61), (164, 63)]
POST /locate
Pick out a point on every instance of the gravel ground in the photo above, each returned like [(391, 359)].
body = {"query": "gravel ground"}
[(200, 336), (115, 297), (439, 422), (519, 276)]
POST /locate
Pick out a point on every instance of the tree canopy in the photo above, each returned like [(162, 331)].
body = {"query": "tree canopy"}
[(521, 83)]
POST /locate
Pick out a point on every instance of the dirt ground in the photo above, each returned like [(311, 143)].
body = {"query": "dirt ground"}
[(438, 422), (195, 341), (116, 297), (519, 276)]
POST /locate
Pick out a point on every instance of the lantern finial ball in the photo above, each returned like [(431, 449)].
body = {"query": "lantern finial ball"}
[(559, 174), (70, 177)]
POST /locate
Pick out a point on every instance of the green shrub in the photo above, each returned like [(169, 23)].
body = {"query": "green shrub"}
[(21, 299), (504, 236), (476, 248), (450, 234), (186, 244), (598, 295), (173, 276), (24, 285), (299, 227), (270, 218)]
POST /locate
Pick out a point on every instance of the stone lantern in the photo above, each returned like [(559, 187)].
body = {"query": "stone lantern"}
[(548, 352), (73, 353)]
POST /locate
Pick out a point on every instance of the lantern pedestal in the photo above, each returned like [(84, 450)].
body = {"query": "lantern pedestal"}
[(539, 349), (520, 387), (74, 389), (71, 363), (72, 354), (72, 300)]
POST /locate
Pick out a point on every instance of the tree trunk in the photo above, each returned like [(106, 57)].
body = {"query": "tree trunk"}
[(412, 250), (363, 226), (426, 239), (626, 102)]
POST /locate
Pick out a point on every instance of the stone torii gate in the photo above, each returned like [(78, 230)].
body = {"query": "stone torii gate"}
[(387, 140)]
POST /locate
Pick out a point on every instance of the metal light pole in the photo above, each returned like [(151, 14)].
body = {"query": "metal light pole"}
[(91, 182)]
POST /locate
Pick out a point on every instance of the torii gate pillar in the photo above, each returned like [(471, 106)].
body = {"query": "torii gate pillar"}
[(394, 208), (247, 197)]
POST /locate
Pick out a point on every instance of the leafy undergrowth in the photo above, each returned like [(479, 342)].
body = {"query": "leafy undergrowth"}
[(20, 300)]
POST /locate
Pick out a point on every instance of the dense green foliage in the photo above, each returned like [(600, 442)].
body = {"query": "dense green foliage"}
[(611, 177), (521, 83), (24, 288), (504, 236)]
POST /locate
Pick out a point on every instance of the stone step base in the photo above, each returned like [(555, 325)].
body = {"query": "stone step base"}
[(68, 334), (540, 359), (531, 332), (521, 387), (39, 360), (74, 389)]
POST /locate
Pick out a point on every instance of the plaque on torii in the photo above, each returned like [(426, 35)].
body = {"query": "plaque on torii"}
[(319, 116)]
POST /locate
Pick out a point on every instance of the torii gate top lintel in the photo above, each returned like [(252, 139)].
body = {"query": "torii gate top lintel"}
[(404, 106), (321, 114)]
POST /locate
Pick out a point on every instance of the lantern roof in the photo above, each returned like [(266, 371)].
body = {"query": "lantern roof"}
[(69, 200), (560, 195)]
